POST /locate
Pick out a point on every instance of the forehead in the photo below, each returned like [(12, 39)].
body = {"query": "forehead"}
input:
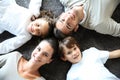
[(66, 49), (42, 21), (44, 45)]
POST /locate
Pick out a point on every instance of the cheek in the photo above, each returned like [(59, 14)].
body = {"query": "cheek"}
[(44, 29), (46, 60), (68, 57), (29, 28), (78, 51)]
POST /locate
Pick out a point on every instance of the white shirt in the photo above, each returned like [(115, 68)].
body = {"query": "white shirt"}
[(98, 15), (14, 19), (91, 66)]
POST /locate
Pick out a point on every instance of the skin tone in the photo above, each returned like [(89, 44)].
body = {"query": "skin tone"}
[(40, 56), (68, 21), (38, 27), (73, 55)]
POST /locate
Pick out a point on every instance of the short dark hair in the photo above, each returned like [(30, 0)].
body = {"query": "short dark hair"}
[(69, 42), (59, 34)]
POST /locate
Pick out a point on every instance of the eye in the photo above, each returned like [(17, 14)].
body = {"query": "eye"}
[(38, 48), (69, 52), (62, 19), (38, 25), (45, 54), (74, 48)]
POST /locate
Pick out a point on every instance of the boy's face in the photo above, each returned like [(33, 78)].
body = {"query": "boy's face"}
[(38, 27), (72, 55)]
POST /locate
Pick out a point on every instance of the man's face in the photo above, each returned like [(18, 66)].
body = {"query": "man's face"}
[(67, 22)]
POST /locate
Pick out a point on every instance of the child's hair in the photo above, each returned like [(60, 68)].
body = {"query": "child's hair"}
[(68, 42), (44, 13), (49, 17)]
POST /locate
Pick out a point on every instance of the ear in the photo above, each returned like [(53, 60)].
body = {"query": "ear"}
[(64, 59), (76, 28)]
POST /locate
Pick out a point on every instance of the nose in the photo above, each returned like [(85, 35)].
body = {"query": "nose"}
[(38, 56), (37, 29), (68, 17), (74, 54)]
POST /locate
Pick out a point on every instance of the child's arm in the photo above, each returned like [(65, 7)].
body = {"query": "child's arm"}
[(114, 54)]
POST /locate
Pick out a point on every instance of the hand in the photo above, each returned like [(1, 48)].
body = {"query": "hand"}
[(33, 18)]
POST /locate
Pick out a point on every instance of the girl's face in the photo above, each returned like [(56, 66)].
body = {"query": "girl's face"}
[(42, 54), (39, 27), (72, 55)]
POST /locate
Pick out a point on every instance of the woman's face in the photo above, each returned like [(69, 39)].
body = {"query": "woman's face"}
[(42, 54), (72, 55), (39, 27)]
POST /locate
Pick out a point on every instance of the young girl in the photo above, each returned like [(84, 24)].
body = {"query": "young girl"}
[(86, 65), (17, 20), (14, 66)]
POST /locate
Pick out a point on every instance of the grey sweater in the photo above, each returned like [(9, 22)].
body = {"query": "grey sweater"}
[(98, 15)]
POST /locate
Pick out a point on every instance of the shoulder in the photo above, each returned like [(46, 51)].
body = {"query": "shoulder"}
[(40, 78), (15, 54), (94, 51), (91, 49)]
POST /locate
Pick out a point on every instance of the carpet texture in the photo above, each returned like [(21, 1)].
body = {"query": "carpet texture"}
[(87, 38)]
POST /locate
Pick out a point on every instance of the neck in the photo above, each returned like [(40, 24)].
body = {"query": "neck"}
[(27, 70), (30, 66)]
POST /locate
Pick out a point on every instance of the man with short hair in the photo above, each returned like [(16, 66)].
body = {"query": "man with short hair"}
[(91, 14)]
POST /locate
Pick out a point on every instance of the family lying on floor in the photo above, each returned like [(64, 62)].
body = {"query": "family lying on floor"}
[(56, 38)]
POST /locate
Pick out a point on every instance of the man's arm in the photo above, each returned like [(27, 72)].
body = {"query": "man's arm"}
[(109, 26)]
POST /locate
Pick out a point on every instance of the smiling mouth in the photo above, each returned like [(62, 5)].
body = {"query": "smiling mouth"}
[(76, 57), (36, 60)]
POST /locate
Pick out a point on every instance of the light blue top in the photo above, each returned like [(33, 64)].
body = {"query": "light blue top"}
[(91, 66)]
